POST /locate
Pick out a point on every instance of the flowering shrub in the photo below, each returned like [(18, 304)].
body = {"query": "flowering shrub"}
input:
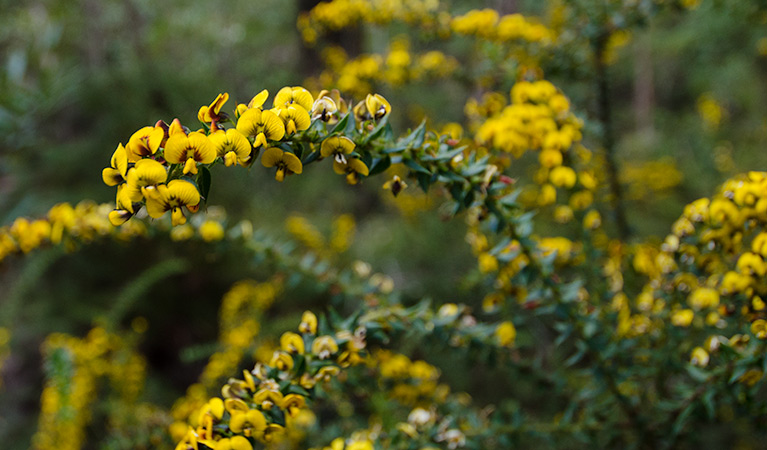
[(586, 336)]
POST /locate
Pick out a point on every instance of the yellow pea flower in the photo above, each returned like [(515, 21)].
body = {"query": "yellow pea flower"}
[(506, 333), (261, 125), (295, 118), (145, 175), (396, 185), (117, 173), (172, 197), (353, 169), (211, 231), (286, 162), (144, 142), (212, 113), (234, 443), (377, 106), (266, 398), (189, 150), (759, 328), (292, 343), (189, 442), (281, 361), (232, 146), (338, 147), (250, 423), (323, 108), (293, 404), (293, 95), (308, 323), (324, 347), (256, 102)]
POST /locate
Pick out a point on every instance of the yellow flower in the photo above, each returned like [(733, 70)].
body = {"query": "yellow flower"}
[(286, 162), (232, 146), (308, 323), (562, 176), (293, 95), (143, 178), (759, 328), (506, 333), (189, 442), (702, 298), (338, 147), (295, 118), (261, 125), (234, 443), (256, 102), (144, 142), (116, 174), (682, 317), (353, 169), (189, 150), (396, 185), (210, 231), (250, 423), (323, 108), (172, 197), (377, 106), (208, 114), (293, 403), (324, 347), (281, 361), (699, 357), (292, 343)]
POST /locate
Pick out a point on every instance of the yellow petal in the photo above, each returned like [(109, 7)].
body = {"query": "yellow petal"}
[(273, 126), (176, 148), (248, 123), (292, 162), (120, 160), (259, 99), (359, 167), (202, 148), (177, 217), (119, 217), (147, 172), (203, 115), (182, 192), (336, 144), (377, 106), (111, 177), (271, 157), (190, 166)]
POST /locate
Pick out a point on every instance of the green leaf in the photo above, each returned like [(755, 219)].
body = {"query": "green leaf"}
[(414, 166), (203, 180), (416, 137), (311, 157), (344, 126), (379, 165)]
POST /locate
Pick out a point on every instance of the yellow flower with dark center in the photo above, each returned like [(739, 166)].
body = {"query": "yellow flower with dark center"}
[(189, 150), (293, 95), (295, 118), (292, 343), (145, 175), (251, 423), (172, 197), (308, 323), (266, 398), (396, 185), (232, 146), (212, 113), (282, 361), (261, 126), (144, 142), (353, 169), (293, 404), (324, 347), (323, 108), (337, 147), (285, 162), (273, 432), (234, 405), (377, 106), (118, 171)]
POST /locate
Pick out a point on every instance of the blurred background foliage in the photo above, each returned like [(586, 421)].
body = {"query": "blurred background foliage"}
[(688, 92)]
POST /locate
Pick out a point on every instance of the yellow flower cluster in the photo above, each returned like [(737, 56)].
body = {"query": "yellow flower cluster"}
[(395, 67), (342, 234), (335, 15), (166, 167), (258, 407), (488, 24), (74, 368), (657, 177), (710, 111), (241, 308), (411, 383), (64, 225)]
